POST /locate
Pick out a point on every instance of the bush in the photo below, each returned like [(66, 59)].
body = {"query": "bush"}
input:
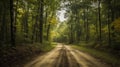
[(116, 34)]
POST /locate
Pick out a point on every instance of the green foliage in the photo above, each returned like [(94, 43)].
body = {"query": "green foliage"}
[(61, 32), (48, 46), (116, 34), (25, 24)]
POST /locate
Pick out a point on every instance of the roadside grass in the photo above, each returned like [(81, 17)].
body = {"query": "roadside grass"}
[(48, 46), (17, 56), (103, 56)]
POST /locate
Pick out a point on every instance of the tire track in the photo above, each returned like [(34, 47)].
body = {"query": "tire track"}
[(62, 58), (86, 60)]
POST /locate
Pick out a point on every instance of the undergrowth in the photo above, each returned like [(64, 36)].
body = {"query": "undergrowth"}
[(12, 56)]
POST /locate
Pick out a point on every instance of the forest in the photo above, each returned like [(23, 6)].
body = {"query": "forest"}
[(31, 27)]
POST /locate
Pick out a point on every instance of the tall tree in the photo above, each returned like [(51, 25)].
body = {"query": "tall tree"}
[(12, 23), (99, 19), (41, 20)]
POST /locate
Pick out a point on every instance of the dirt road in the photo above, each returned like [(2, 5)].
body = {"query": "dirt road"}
[(65, 56)]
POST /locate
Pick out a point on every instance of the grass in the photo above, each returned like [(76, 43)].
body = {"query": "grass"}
[(106, 57), (48, 46), (12, 57)]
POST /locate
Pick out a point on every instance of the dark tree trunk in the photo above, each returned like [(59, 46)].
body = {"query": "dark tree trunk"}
[(109, 30), (96, 24), (2, 34), (46, 15), (48, 31), (12, 23), (41, 20), (99, 18), (87, 27), (36, 29), (71, 34), (26, 26), (84, 18)]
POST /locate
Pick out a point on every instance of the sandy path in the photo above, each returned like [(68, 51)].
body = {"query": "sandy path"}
[(65, 56)]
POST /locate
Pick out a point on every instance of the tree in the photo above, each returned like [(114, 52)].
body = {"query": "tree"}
[(12, 23)]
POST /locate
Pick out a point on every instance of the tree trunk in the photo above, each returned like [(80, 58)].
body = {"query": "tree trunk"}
[(87, 27), (99, 18), (12, 23), (41, 20), (2, 34), (71, 34), (96, 24), (108, 22)]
